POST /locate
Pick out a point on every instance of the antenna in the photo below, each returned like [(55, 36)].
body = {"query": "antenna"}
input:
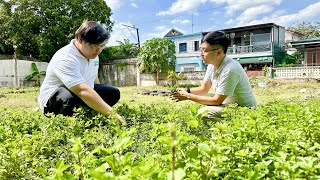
[(132, 34)]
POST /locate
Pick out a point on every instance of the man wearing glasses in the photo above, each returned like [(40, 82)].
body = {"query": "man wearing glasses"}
[(72, 76), (225, 75)]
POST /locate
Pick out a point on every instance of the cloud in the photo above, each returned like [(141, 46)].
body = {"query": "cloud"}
[(182, 6), (234, 5), (120, 33), (134, 5), (230, 21), (159, 32), (252, 12), (312, 11), (114, 4), (180, 21)]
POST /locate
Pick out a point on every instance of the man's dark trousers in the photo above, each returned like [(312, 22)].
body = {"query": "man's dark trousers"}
[(63, 101)]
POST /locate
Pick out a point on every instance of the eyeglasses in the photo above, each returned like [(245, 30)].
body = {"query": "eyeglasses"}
[(206, 50), (98, 46)]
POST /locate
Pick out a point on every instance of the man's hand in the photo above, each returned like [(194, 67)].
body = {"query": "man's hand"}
[(180, 95), (119, 118)]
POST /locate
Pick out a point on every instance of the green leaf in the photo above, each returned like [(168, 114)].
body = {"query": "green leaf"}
[(193, 123), (122, 143), (178, 174), (34, 67), (42, 171)]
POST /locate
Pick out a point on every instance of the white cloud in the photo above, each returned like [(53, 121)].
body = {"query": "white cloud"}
[(230, 21), (235, 5), (120, 33), (160, 32), (182, 6), (218, 1), (114, 4), (312, 11), (180, 21), (134, 5), (252, 12)]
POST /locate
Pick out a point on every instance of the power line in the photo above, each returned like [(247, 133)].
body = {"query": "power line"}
[(132, 33)]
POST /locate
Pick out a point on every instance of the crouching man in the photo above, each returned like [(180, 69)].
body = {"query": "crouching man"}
[(72, 76), (225, 75)]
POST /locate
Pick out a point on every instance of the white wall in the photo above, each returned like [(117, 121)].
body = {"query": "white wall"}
[(190, 47), (291, 36), (24, 69)]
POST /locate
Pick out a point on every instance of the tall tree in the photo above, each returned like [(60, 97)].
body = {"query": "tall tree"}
[(40, 27), (124, 50), (157, 54), (307, 29)]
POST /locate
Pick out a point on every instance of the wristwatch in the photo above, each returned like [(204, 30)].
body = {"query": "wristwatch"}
[(188, 90)]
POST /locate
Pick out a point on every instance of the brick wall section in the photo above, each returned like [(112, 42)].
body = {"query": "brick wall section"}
[(254, 73)]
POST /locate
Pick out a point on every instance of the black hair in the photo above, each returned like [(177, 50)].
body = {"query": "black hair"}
[(92, 32), (217, 38)]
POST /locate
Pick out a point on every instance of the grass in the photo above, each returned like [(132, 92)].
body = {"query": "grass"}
[(26, 98)]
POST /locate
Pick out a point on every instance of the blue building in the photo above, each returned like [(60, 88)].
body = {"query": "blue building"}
[(187, 51), (254, 46)]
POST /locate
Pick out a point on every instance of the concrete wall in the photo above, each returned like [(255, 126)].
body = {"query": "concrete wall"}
[(23, 69), (119, 73), (126, 73)]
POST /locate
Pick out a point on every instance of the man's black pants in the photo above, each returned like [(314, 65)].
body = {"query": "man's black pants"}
[(63, 101)]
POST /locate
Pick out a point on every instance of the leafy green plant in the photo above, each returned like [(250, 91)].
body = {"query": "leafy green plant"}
[(157, 55), (278, 139), (36, 74)]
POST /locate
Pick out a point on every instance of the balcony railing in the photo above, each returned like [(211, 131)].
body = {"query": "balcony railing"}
[(248, 49)]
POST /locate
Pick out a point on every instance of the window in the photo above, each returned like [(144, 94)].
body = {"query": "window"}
[(183, 47), (259, 39), (188, 69), (314, 58), (196, 46)]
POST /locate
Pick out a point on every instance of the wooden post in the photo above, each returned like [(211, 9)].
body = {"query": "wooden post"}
[(15, 68)]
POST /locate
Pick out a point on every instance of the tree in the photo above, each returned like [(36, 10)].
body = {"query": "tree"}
[(128, 49), (307, 29), (157, 55), (124, 50), (36, 74), (39, 27)]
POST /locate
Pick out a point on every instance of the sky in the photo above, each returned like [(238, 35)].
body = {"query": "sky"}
[(154, 18)]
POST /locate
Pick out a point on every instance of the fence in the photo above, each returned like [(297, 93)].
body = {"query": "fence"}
[(8, 76), (297, 72)]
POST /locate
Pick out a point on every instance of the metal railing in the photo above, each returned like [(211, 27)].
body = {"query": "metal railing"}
[(248, 49)]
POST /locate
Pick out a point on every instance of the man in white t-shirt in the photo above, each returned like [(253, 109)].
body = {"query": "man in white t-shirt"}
[(225, 75), (72, 76)]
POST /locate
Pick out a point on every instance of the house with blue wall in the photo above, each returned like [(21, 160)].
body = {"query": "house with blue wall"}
[(187, 51), (254, 46)]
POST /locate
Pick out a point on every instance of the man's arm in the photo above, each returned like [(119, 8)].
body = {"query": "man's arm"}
[(201, 90), (216, 100), (91, 98), (97, 81), (94, 101)]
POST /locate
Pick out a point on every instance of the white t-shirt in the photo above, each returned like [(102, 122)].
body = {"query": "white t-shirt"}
[(68, 67), (230, 79)]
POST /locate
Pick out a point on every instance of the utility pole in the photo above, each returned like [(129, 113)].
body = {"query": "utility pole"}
[(137, 33), (15, 69), (192, 22)]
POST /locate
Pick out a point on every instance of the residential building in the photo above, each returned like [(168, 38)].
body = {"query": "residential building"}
[(310, 49), (254, 46), (187, 51), (292, 36)]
